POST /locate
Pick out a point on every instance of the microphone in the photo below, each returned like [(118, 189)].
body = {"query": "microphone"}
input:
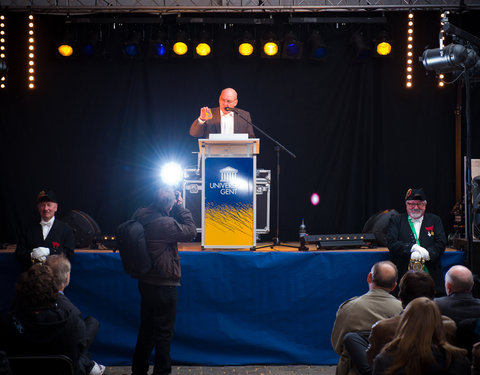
[(230, 109)]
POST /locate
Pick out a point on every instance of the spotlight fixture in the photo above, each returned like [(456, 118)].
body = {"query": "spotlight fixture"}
[(181, 44), (362, 50), (451, 58), (383, 44), (91, 43), (31, 52), (409, 67), (317, 49), (132, 44), (203, 46), (245, 46), (270, 46), (3, 52), (158, 45), (66, 47), (292, 47)]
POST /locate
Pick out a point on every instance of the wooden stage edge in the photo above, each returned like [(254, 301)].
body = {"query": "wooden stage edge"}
[(261, 247)]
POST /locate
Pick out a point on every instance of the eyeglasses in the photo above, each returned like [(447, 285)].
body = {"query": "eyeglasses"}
[(418, 204)]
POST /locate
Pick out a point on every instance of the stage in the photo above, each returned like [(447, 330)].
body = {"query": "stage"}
[(270, 306)]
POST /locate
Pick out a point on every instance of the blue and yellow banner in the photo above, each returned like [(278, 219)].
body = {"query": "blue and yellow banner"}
[(229, 202)]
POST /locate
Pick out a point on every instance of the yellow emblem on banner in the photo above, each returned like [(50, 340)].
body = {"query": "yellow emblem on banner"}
[(228, 225)]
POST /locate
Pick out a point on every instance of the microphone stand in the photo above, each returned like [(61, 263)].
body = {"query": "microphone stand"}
[(278, 147)]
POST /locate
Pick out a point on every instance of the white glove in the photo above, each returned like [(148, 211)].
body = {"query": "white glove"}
[(423, 252), (415, 256), (40, 253)]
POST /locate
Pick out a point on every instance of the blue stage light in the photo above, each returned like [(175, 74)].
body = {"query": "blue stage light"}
[(131, 50), (293, 49), (160, 49), (320, 53), (88, 50)]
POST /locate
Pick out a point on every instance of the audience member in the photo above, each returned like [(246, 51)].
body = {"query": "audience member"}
[(359, 313), (420, 346), (158, 287), (418, 237), (49, 236), (413, 284), (36, 325), (61, 269), (459, 304)]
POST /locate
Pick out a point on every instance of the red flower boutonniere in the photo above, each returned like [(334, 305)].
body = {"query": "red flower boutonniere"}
[(55, 245), (429, 230)]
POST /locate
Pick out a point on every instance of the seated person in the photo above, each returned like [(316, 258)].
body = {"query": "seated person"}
[(61, 268), (49, 236), (420, 345), (413, 284), (359, 313), (36, 326)]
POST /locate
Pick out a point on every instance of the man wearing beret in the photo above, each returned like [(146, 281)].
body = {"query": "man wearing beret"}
[(417, 237), (47, 237)]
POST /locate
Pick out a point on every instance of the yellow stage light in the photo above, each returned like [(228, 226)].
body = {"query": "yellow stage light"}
[(180, 48), (65, 50), (384, 48), (245, 49), (203, 49), (270, 48)]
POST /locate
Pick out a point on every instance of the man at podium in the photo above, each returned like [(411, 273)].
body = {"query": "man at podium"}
[(226, 119)]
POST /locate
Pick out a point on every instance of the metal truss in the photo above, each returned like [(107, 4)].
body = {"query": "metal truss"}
[(212, 6)]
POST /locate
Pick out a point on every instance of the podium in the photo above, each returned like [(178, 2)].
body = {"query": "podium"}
[(229, 193)]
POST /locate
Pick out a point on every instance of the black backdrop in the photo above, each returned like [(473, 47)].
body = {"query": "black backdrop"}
[(96, 131)]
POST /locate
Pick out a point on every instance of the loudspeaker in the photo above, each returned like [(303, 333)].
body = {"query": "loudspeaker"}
[(85, 229), (377, 224)]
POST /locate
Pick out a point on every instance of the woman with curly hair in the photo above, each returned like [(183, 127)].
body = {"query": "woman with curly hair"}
[(420, 346)]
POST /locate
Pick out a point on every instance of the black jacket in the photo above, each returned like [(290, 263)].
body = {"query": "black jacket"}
[(162, 236), (400, 239), (60, 240)]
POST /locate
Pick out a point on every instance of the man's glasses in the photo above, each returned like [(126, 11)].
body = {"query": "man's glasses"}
[(418, 204)]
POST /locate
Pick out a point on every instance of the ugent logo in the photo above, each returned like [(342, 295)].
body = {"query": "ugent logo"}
[(228, 181)]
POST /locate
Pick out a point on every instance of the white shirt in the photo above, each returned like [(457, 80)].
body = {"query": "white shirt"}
[(46, 226), (417, 224), (226, 122)]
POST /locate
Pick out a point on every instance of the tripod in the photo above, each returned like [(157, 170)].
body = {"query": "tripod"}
[(278, 148)]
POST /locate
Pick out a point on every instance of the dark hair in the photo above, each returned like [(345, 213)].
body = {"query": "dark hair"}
[(35, 288), (164, 198), (382, 275), (415, 284), (61, 267)]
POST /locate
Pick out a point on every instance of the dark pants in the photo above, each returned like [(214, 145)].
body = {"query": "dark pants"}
[(157, 321), (356, 344)]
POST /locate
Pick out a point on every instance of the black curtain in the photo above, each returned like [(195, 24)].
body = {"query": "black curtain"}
[(96, 131)]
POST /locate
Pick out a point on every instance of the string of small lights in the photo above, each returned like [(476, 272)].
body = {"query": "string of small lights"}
[(31, 52), (441, 76), (409, 81), (3, 52)]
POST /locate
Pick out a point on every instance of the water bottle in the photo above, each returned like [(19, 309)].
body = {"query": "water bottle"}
[(302, 231)]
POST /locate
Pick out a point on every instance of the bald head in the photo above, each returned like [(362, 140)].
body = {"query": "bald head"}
[(228, 98), (383, 275), (458, 279)]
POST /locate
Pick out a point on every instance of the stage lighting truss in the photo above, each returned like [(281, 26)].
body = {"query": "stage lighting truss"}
[(292, 46), (3, 52), (31, 52), (409, 59), (317, 48)]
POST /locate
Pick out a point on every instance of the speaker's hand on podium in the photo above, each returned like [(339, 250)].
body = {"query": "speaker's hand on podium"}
[(205, 114)]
